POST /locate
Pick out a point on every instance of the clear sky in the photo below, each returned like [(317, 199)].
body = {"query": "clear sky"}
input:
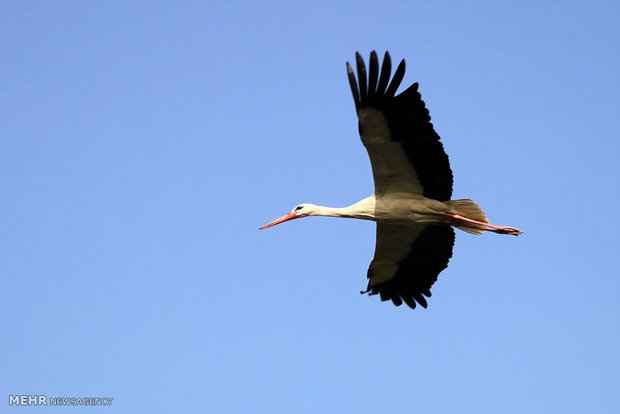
[(144, 142)]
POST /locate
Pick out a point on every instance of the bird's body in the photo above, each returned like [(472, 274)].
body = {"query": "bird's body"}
[(413, 186), (389, 209)]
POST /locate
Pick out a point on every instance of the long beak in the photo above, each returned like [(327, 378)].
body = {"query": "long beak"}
[(287, 216)]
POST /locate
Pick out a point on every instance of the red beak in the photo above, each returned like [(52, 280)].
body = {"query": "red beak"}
[(286, 217)]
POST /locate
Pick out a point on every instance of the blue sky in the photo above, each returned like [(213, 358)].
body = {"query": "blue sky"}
[(143, 144)]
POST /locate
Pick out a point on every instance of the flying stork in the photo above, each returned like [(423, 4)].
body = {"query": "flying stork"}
[(413, 186)]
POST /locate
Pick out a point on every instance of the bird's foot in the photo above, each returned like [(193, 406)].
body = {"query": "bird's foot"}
[(506, 230)]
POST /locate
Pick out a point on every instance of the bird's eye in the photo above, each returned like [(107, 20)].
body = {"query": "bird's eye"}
[(298, 208)]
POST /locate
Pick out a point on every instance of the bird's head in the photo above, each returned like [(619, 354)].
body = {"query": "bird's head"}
[(302, 210)]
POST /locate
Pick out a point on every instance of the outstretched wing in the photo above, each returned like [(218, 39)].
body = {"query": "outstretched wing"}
[(404, 149), (407, 261)]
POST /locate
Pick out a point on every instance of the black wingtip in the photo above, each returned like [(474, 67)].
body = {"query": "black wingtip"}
[(373, 74), (396, 300), (420, 299), (361, 75), (386, 71), (409, 301), (353, 85), (374, 83), (396, 79)]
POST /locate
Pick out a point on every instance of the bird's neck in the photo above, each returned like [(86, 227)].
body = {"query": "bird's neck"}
[(334, 212), (364, 209)]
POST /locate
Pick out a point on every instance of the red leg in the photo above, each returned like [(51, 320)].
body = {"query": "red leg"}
[(484, 226)]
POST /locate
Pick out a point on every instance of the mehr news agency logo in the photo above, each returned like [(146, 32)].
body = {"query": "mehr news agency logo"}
[(43, 400)]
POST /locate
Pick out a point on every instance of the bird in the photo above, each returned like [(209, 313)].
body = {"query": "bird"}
[(411, 203)]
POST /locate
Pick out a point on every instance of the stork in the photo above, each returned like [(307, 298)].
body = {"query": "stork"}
[(413, 187)]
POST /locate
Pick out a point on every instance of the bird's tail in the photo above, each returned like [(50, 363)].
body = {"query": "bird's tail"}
[(470, 210)]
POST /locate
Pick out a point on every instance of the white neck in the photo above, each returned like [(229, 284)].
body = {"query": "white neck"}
[(364, 209)]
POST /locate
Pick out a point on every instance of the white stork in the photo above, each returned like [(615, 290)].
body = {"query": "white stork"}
[(413, 185)]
